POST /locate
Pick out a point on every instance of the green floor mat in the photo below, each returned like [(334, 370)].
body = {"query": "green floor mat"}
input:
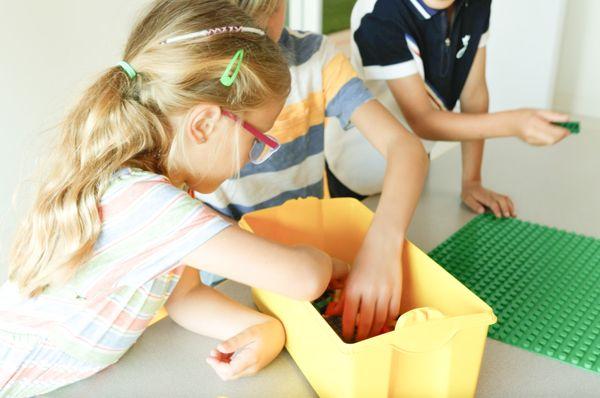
[(543, 284)]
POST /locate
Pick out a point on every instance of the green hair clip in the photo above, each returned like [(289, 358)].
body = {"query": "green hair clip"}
[(229, 76), (128, 69)]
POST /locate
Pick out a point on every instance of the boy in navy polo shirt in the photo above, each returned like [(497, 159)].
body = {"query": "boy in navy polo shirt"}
[(432, 53)]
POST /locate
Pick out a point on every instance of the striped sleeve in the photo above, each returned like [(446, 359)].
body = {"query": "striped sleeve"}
[(148, 228), (344, 91)]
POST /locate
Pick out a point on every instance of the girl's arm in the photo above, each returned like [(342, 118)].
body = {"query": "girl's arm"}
[(374, 286), (299, 272), (251, 340), (532, 126)]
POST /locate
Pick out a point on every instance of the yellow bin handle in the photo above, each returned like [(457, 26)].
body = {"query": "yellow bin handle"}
[(427, 329)]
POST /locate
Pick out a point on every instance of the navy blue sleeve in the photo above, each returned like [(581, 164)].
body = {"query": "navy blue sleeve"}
[(485, 29), (383, 42)]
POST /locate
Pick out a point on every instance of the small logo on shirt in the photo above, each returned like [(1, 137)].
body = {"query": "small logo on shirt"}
[(463, 50)]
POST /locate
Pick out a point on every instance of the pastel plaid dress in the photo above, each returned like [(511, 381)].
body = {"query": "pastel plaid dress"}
[(73, 331)]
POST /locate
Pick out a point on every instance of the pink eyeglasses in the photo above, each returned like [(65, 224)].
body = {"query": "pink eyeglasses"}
[(264, 145)]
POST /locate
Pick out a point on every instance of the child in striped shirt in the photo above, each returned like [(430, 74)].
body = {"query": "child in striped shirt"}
[(113, 233), (324, 85)]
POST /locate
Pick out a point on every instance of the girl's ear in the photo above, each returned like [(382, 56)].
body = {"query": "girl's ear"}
[(201, 122)]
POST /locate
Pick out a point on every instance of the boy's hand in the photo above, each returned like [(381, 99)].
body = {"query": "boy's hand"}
[(535, 126), (476, 197), (248, 352), (373, 289)]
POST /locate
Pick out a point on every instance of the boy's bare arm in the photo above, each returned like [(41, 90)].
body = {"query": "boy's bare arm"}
[(374, 287), (532, 126), (474, 99)]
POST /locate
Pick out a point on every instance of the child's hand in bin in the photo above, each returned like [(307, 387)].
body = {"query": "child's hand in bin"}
[(249, 351), (373, 289)]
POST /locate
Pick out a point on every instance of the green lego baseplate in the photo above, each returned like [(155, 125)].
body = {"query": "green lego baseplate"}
[(543, 284), (573, 127)]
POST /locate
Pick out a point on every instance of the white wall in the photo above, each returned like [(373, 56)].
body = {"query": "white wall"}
[(49, 51), (523, 52), (305, 15), (578, 81)]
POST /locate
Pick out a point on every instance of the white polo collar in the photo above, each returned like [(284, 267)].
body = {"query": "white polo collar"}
[(427, 12), (423, 9)]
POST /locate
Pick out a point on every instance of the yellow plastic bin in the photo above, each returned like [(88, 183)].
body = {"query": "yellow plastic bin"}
[(428, 358)]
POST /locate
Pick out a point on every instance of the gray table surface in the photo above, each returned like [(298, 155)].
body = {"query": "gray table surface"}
[(557, 186)]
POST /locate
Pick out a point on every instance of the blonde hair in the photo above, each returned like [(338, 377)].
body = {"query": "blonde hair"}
[(123, 122), (257, 9)]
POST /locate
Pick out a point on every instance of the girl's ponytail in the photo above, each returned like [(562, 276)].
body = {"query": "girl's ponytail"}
[(121, 120), (108, 128)]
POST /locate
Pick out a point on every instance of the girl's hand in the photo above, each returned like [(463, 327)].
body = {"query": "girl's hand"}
[(339, 274), (249, 351), (535, 126), (374, 289), (476, 197)]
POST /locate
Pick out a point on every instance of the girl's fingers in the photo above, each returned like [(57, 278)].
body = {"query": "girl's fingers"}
[(236, 367), (221, 369), (219, 356), (236, 342), (230, 358), (340, 269), (246, 359), (250, 371)]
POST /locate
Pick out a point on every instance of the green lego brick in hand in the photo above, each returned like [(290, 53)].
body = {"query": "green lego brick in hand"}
[(573, 127)]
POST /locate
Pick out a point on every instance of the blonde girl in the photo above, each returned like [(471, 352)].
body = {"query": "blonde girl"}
[(113, 233)]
